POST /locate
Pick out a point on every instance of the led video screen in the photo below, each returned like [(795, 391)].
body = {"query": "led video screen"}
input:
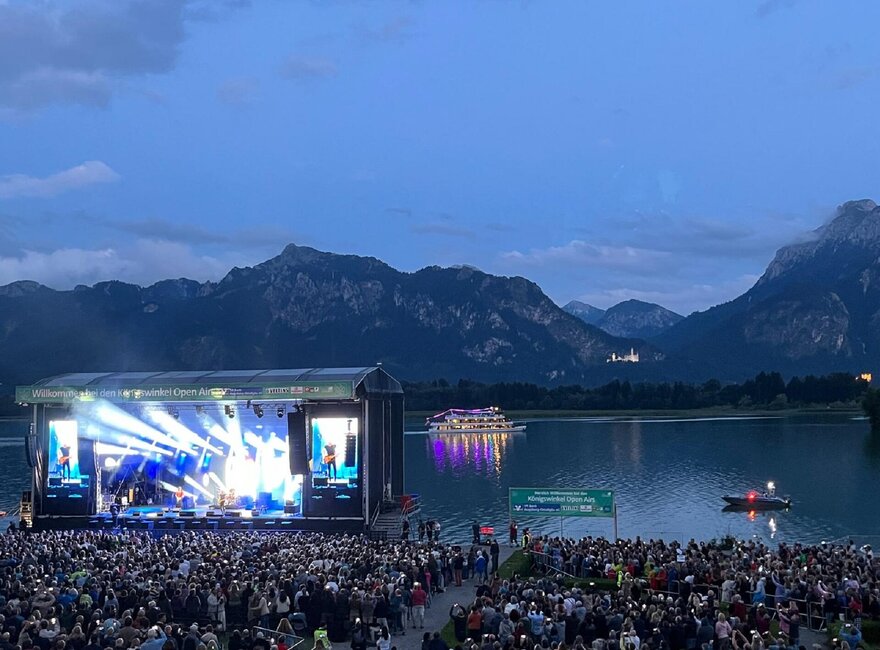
[(64, 451), (335, 450)]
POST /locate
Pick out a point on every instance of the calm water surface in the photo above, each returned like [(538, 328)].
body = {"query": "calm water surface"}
[(668, 475)]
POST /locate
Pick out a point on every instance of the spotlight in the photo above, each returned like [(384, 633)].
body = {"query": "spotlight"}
[(173, 412), (229, 411), (248, 404), (279, 411), (200, 410), (258, 410)]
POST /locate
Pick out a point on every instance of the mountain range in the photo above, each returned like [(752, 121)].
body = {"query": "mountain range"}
[(815, 309), (306, 308), (630, 318)]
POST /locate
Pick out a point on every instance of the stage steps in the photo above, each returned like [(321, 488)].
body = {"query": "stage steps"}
[(386, 526)]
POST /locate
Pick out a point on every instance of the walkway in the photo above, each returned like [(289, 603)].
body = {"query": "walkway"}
[(437, 615)]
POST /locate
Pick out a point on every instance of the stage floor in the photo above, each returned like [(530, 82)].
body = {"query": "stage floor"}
[(160, 519)]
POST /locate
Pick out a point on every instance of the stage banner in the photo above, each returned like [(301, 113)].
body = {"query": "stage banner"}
[(311, 390), (561, 502)]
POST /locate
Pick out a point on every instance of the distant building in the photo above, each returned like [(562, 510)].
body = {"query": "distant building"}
[(632, 357)]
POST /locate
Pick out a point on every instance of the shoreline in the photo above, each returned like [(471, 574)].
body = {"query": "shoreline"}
[(543, 414)]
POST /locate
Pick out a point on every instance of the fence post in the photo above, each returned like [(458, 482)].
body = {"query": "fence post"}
[(615, 524)]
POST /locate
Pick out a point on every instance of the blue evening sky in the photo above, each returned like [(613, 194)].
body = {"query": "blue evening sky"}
[(605, 150)]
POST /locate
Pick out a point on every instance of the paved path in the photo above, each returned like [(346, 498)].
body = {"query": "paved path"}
[(437, 615)]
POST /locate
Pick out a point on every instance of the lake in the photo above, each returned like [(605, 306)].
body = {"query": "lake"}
[(668, 474)]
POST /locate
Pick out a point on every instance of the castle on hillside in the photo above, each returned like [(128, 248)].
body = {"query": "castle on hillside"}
[(632, 357)]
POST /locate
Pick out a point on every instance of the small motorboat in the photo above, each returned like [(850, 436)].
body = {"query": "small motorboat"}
[(765, 500)]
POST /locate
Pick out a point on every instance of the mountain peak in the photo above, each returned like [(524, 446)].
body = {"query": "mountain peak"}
[(637, 319), (587, 313), (293, 254), (853, 234), (866, 205), (20, 288)]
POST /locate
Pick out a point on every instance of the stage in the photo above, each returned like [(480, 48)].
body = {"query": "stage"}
[(162, 520), (282, 449)]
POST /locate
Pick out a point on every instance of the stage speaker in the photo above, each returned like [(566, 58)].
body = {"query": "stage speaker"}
[(187, 513), (350, 450), (255, 513), (290, 509), (296, 439), (233, 513), (321, 481), (54, 481)]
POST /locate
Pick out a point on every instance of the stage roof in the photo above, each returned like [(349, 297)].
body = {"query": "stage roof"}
[(217, 385)]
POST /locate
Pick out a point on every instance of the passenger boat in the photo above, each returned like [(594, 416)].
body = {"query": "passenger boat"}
[(765, 500), (488, 420)]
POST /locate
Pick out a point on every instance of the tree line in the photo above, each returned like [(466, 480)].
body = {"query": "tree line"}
[(766, 390)]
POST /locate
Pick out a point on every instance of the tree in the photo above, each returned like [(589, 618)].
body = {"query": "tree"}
[(871, 405)]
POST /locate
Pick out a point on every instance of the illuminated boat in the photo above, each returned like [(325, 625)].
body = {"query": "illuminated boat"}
[(754, 500), (488, 420)]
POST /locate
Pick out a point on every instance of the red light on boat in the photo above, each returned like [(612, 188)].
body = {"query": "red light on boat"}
[(751, 496)]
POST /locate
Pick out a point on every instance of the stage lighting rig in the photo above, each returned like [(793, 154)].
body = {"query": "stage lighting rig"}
[(230, 412), (258, 410), (279, 411), (173, 412)]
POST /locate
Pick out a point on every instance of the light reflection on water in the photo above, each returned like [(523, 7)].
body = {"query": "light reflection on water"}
[(456, 452)]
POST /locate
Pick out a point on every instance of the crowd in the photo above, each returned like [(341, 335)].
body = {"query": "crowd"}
[(652, 595), (91, 590), (255, 590)]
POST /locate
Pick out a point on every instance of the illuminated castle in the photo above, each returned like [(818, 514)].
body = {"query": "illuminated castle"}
[(632, 357)]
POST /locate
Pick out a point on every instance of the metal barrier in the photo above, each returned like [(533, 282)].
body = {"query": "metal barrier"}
[(274, 635)]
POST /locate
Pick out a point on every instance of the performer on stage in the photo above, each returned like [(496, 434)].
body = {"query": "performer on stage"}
[(330, 459), (178, 497), (64, 459)]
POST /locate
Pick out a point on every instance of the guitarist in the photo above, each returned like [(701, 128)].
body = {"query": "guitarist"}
[(330, 459), (64, 459)]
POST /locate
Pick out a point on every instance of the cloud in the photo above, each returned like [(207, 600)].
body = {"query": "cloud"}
[(143, 262), (53, 52), (582, 254), (443, 228), (212, 11), (238, 92), (680, 297), (184, 232), (500, 227), (769, 7), (396, 30), (855, 77), (301, 68), (88, 173), (704, 237)]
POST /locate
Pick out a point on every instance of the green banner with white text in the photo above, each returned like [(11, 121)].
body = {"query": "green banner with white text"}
[(561, 502), (311, 390)]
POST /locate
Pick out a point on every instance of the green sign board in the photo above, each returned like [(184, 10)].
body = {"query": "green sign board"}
[(561, 502), (310, 390)]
